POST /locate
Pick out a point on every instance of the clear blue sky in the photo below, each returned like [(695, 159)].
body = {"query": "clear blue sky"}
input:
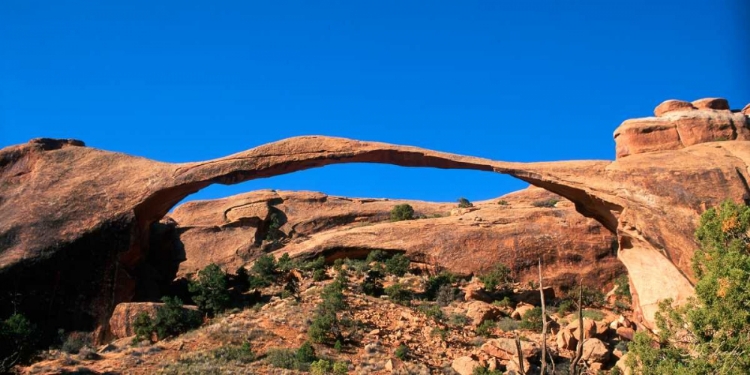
[(509, 80)]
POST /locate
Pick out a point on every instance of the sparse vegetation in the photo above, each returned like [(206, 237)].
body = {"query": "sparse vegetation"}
[(209, 290), (464, 203), (446, 294), (434, 283), (503, 202), (172, 319), (623, 287), (398, 293), (548, 203), (17, 340), (497, 276), (485, 329), (299, 359), (480, 370), (532, 320), (593, 314), (402, 212), (707, 335), (507, 324), (397, 265), (458, 320), (402, 351)]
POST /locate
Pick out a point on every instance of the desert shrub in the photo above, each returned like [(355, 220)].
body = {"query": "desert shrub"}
[(265, 266), (320, 367), (620, 307), (590, 297), (372, 287), (593, 314), (143, 326), (285, 263), (402, 352), (397, 265), (431, 311), (75, 341), (548, 203), (508, 324), (433, 284), (398, 293), (340, 368), (446, 294), (17, 340), (480, 370), (319, 275), (505, 303), (338, 346), (402, 212), (623, 287), (485, 329), (532, 320), (210, 291), (233, 353), (172, 319), (322, 327), (318, 263), (458, 320), (464, 203), (497, 276), (502, 202), (274, 224), (376, 256), (566, 306), (437, 331), (299, 359), (338, 265), (707, 335)]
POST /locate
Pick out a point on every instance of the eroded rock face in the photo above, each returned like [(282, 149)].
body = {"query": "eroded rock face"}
[(230, 232), (680, 124), (75, 234)]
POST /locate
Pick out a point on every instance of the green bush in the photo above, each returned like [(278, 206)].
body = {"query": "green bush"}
[(376, 256), (274, 233), (402, 212), (75, 341), (399, 294), (479, 370), (532, 320), (285, 263), (707, 335), (402, 352), (318, 264), (172, 319), (320, 367), (437, 331), (143, 326), (233, 353), (548, 203), (623, 287), (485, 329), (508, 324), (502, 202), (319, 275), (431, 311), (593, 315), (464, 203), (433, 284), (566, 306), (498, 275), (210, 290), (299, 359), (17, 340), (340, 368), (458, 320), (372, 287), (505, 303), (397, 265), (446, 294)]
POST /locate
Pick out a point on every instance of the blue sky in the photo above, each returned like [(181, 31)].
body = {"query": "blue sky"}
[(520, 81)]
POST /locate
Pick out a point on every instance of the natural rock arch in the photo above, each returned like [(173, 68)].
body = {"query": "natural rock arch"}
[(84, 214)]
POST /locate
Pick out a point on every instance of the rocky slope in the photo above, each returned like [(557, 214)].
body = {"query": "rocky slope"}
[(75, 234), (231, 231)]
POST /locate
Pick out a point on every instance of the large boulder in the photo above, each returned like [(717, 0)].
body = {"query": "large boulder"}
[(594, 350), (505, 348), (465, 365), (479, 311)]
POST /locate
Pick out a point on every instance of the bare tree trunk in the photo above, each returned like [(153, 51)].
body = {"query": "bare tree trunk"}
[(520, 355), (574, 370), (544, 321)]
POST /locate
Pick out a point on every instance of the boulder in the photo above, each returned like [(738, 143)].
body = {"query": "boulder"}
[(521, 309), (626, 333), (121, 322), (479, 311), (566, 340), (671, 106), (475, 292), (589, 328), (711, 103), (465, 365), (594, 350), (505, 348)]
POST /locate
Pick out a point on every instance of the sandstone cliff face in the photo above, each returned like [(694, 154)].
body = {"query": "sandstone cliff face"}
[(230, 232), (75, 232)]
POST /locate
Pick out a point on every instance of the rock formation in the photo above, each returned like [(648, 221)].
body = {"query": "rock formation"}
[(74, 237), (230, 232)]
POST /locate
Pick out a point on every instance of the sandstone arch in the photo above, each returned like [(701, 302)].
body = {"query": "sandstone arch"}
[(81, 213)]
